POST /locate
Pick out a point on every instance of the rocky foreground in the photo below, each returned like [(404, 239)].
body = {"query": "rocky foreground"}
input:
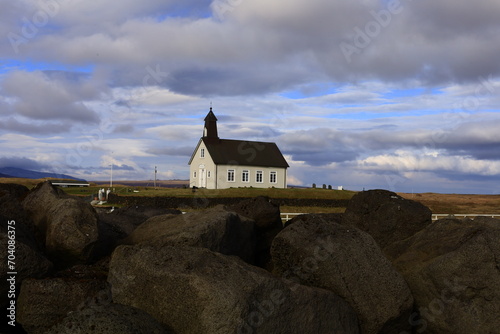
[(381, 267)]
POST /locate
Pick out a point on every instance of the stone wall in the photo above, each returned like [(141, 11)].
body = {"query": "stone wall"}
[(206, 202)]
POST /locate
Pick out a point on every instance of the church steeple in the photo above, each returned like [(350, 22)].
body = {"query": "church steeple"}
[(210, 130)]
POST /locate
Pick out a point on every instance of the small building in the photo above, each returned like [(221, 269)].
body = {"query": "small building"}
[(226, 163), (69, 183)]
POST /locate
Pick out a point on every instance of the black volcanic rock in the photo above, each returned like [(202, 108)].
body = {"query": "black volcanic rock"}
[(216, 229), (453, 270), (194, 290), (16, 226), (327, 217), (44, 303), (17, 191), (317, 251), (118, 224), (66, 225), (112, 318), (29, 262), (268, 224), (11, 209), (386, 216)]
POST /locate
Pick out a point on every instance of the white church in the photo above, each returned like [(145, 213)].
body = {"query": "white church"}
[(226, 163)]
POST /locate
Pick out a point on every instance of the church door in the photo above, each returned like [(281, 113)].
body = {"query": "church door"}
[(203, 178)]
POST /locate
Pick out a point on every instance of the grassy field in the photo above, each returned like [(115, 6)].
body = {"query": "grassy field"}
[(438, 203), (233, 192), (457, 203), (150, 191), (30, 183), (127, 190)]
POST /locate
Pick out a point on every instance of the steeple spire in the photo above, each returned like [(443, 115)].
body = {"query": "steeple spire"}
[(210, 130)]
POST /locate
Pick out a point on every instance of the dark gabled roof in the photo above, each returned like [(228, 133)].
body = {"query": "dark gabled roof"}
[(210, 116), (245, 153)]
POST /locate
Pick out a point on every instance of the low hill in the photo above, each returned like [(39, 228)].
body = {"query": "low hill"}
[(11, 172), (148, 183)]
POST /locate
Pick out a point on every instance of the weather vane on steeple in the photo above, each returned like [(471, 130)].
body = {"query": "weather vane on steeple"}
[(210, 130)]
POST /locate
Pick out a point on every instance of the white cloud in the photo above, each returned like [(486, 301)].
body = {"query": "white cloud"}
[(409, 162), (123, 148), (177, 132), (422, 91), (157, 96), (38, 97)]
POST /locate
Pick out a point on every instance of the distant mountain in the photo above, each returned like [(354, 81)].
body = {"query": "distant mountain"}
[(5, 175), (30, 174)]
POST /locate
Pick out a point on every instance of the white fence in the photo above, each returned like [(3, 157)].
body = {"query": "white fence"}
[(437, 216), (286, 216)]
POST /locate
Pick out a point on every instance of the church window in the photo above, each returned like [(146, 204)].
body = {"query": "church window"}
[(258, 176), (272, 177), (244, 176), (230, 175)]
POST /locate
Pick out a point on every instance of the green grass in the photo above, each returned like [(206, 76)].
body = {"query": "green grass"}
[(232, 192), (123, 190)]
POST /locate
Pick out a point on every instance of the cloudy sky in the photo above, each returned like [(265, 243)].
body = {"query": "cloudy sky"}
[(401, 95)]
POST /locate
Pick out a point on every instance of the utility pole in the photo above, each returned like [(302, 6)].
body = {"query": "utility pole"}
[(155, 176), (111, 175)]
